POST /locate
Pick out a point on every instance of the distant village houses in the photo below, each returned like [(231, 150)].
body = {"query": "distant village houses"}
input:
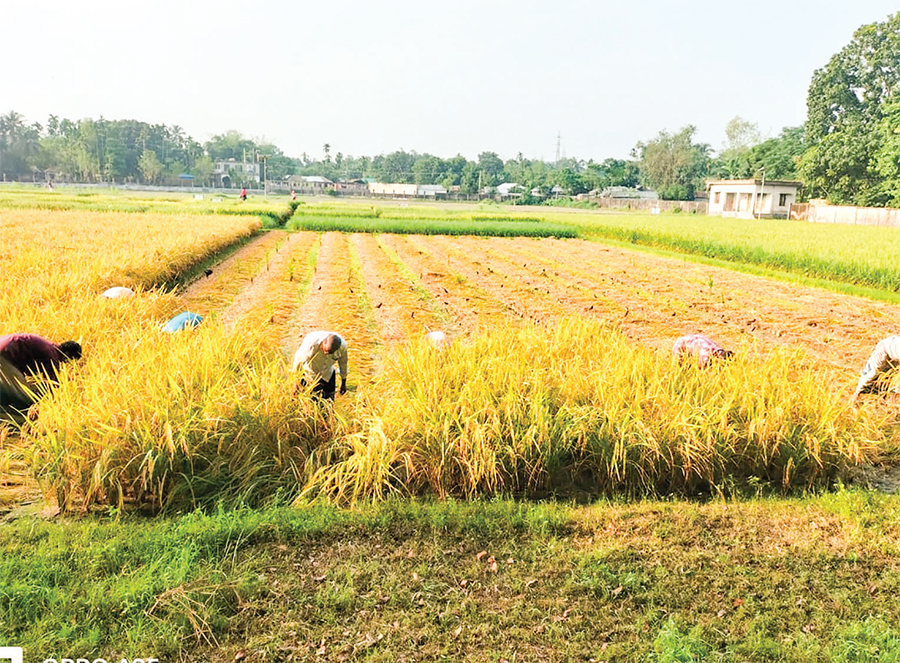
[(352, 188), (310, 184), (623, 192)]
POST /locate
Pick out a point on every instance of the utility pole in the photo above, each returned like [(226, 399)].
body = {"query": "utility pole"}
[(558, 144), (263, 157), (762, 191)]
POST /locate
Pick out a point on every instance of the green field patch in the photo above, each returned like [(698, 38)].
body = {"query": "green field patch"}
[(437, 226), (803, 580)]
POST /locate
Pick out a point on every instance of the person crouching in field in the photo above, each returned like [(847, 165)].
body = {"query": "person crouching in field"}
[(701, 348), (182, 321), (316, 356), (884, 359), (24, 359)]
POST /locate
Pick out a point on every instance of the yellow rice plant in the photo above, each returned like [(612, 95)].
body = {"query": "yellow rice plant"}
[(147, 418), (578, 405), (175, 421), (55, 264)]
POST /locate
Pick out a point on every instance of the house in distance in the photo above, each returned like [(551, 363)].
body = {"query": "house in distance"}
[(754, 198)]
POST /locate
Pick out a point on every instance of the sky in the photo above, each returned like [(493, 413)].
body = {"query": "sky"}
[(590, 78)]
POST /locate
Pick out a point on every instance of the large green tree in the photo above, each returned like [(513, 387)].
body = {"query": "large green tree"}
[(19, 145), (887, 155), (151, 167), (740, 137), (779, 156), (673, 164), (846, 103)]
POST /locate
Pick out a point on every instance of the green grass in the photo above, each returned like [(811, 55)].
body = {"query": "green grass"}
[(438, 226), (805, 580)]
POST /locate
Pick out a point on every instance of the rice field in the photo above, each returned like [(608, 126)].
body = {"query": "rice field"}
[(559, 377)]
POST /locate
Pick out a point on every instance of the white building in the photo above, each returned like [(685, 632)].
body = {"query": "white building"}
[(398, 190), (748, 199), (249, 170)]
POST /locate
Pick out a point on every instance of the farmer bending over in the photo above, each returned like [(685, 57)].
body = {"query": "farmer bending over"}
[(885, 358), (317, 355), (702, 348), (24, 359), (185, 320)]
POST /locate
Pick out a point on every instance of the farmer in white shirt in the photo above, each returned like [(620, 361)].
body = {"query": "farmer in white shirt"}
[(885, 358), (317, 355)]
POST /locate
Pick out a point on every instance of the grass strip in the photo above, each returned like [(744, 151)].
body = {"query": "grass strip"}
[(802, 580), (433, 226)]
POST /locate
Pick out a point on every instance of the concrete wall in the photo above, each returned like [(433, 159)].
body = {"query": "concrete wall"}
[(393, 189), (862, 216)]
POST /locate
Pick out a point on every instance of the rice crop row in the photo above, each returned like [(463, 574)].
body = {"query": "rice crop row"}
[(213, 292), (190, 419), (270, 301), (493, 228), (538, 408)]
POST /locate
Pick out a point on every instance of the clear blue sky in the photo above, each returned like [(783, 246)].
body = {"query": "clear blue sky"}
[(444, 78)]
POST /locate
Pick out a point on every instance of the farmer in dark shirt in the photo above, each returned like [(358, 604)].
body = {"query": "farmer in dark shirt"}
[(24, 359)]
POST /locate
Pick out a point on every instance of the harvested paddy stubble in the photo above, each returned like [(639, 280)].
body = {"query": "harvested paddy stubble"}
[(399, 311), (576, 405)]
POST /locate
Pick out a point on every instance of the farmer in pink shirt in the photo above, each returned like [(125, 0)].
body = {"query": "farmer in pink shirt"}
[(24, 360), (702, 348)]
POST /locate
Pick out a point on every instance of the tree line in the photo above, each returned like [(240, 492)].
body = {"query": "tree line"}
[(848, 151), (126, 151)]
